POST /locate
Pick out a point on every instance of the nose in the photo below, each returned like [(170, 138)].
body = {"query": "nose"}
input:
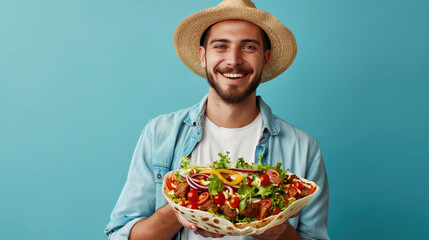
[(233, 57)]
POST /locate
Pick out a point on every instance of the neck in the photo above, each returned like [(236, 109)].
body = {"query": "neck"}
[(231, 115)]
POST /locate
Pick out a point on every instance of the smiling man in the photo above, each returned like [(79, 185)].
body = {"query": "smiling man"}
[(236, 47), (233, 53)]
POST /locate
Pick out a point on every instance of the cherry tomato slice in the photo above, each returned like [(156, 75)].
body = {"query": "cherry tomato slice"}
[(192, 195), (274, 176), (249, 181), (298, 184), (169, 185), (263, 209), (182, 203), (276, 211), (266, 202), (234, 202), (174, 180), (265, 179), (192, 205), (219, 198), (203, 198), (291, 191)]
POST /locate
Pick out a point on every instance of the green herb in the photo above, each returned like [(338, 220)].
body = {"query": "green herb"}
[(244, 192), (173, 198), (265, 191), (179, 177), (240, 163), (215, 185), (243, 204), (259, 165), (278, 201), (290, 202), (223, 162), (185, 162), (245, 219), (223, 216)]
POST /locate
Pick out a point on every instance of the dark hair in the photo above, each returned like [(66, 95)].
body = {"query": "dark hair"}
[(266, 40)]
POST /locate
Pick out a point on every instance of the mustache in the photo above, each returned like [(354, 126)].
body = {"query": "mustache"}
[(238, 69)]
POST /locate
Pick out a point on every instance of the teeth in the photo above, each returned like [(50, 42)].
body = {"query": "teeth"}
[(233, 75)]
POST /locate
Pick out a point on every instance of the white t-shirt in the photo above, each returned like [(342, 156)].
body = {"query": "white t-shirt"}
[(239, 142)]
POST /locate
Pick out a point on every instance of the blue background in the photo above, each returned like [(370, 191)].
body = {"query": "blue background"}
[(80, 79)]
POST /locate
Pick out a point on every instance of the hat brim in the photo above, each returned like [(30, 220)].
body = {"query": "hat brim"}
[(189, 31)]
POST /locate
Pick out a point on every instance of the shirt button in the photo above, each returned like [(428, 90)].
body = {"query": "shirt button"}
[(159, 175)]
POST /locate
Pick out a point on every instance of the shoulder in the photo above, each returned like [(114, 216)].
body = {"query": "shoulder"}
[(294, 134), (169, 118), (169, 122), (297, 149)]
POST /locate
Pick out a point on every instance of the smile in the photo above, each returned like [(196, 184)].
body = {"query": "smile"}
[(233, 75)]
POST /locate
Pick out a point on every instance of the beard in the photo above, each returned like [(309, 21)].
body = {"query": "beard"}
[(232, 95)]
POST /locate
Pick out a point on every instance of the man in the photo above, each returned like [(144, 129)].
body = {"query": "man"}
[(236, 46)]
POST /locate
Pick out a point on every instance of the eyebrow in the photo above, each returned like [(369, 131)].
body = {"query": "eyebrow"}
[(242, 41)]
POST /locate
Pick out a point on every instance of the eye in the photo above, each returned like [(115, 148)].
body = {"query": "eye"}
[(219, 46), (249, 47)]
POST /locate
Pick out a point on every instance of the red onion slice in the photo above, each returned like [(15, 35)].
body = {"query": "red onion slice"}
[(200, 174), (244, 170), (191, 183), (195, 185)]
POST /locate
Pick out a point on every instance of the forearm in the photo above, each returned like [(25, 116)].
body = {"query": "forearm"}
[(290, 233), (163, 224), (284, 231)]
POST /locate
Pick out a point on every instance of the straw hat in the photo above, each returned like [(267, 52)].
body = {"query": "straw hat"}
[(188, 33)]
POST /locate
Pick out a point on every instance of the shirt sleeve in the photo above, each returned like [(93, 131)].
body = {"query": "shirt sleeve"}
[(138, 196), (313, 219)]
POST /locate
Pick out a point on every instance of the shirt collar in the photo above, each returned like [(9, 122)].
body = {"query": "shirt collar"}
[(197, 114), (270, 122)]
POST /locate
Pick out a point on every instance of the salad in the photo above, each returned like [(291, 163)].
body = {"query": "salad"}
[(239, 192)]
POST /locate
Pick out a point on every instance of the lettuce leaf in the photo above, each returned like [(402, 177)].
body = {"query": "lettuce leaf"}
[(244, 193), (223, 162), (243, 204), (185, 162), (259, 166), (265, 191), (179, 177), (215, 185), (245, 219), (240, 163)]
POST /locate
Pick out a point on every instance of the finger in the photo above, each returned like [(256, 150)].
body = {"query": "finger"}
[(205, 233), (276, 230), (186, 223), (295, 215), (272, 233)]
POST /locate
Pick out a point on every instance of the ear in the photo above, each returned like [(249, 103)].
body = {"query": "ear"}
[(267, 57), (202, 54)]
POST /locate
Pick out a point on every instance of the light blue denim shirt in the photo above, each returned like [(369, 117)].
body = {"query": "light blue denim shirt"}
[(167, 138)]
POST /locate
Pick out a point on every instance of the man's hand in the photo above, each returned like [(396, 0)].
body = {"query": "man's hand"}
[(196, 229), (282, 231)]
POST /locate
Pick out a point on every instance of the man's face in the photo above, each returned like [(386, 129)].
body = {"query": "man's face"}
[(234, 58)]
